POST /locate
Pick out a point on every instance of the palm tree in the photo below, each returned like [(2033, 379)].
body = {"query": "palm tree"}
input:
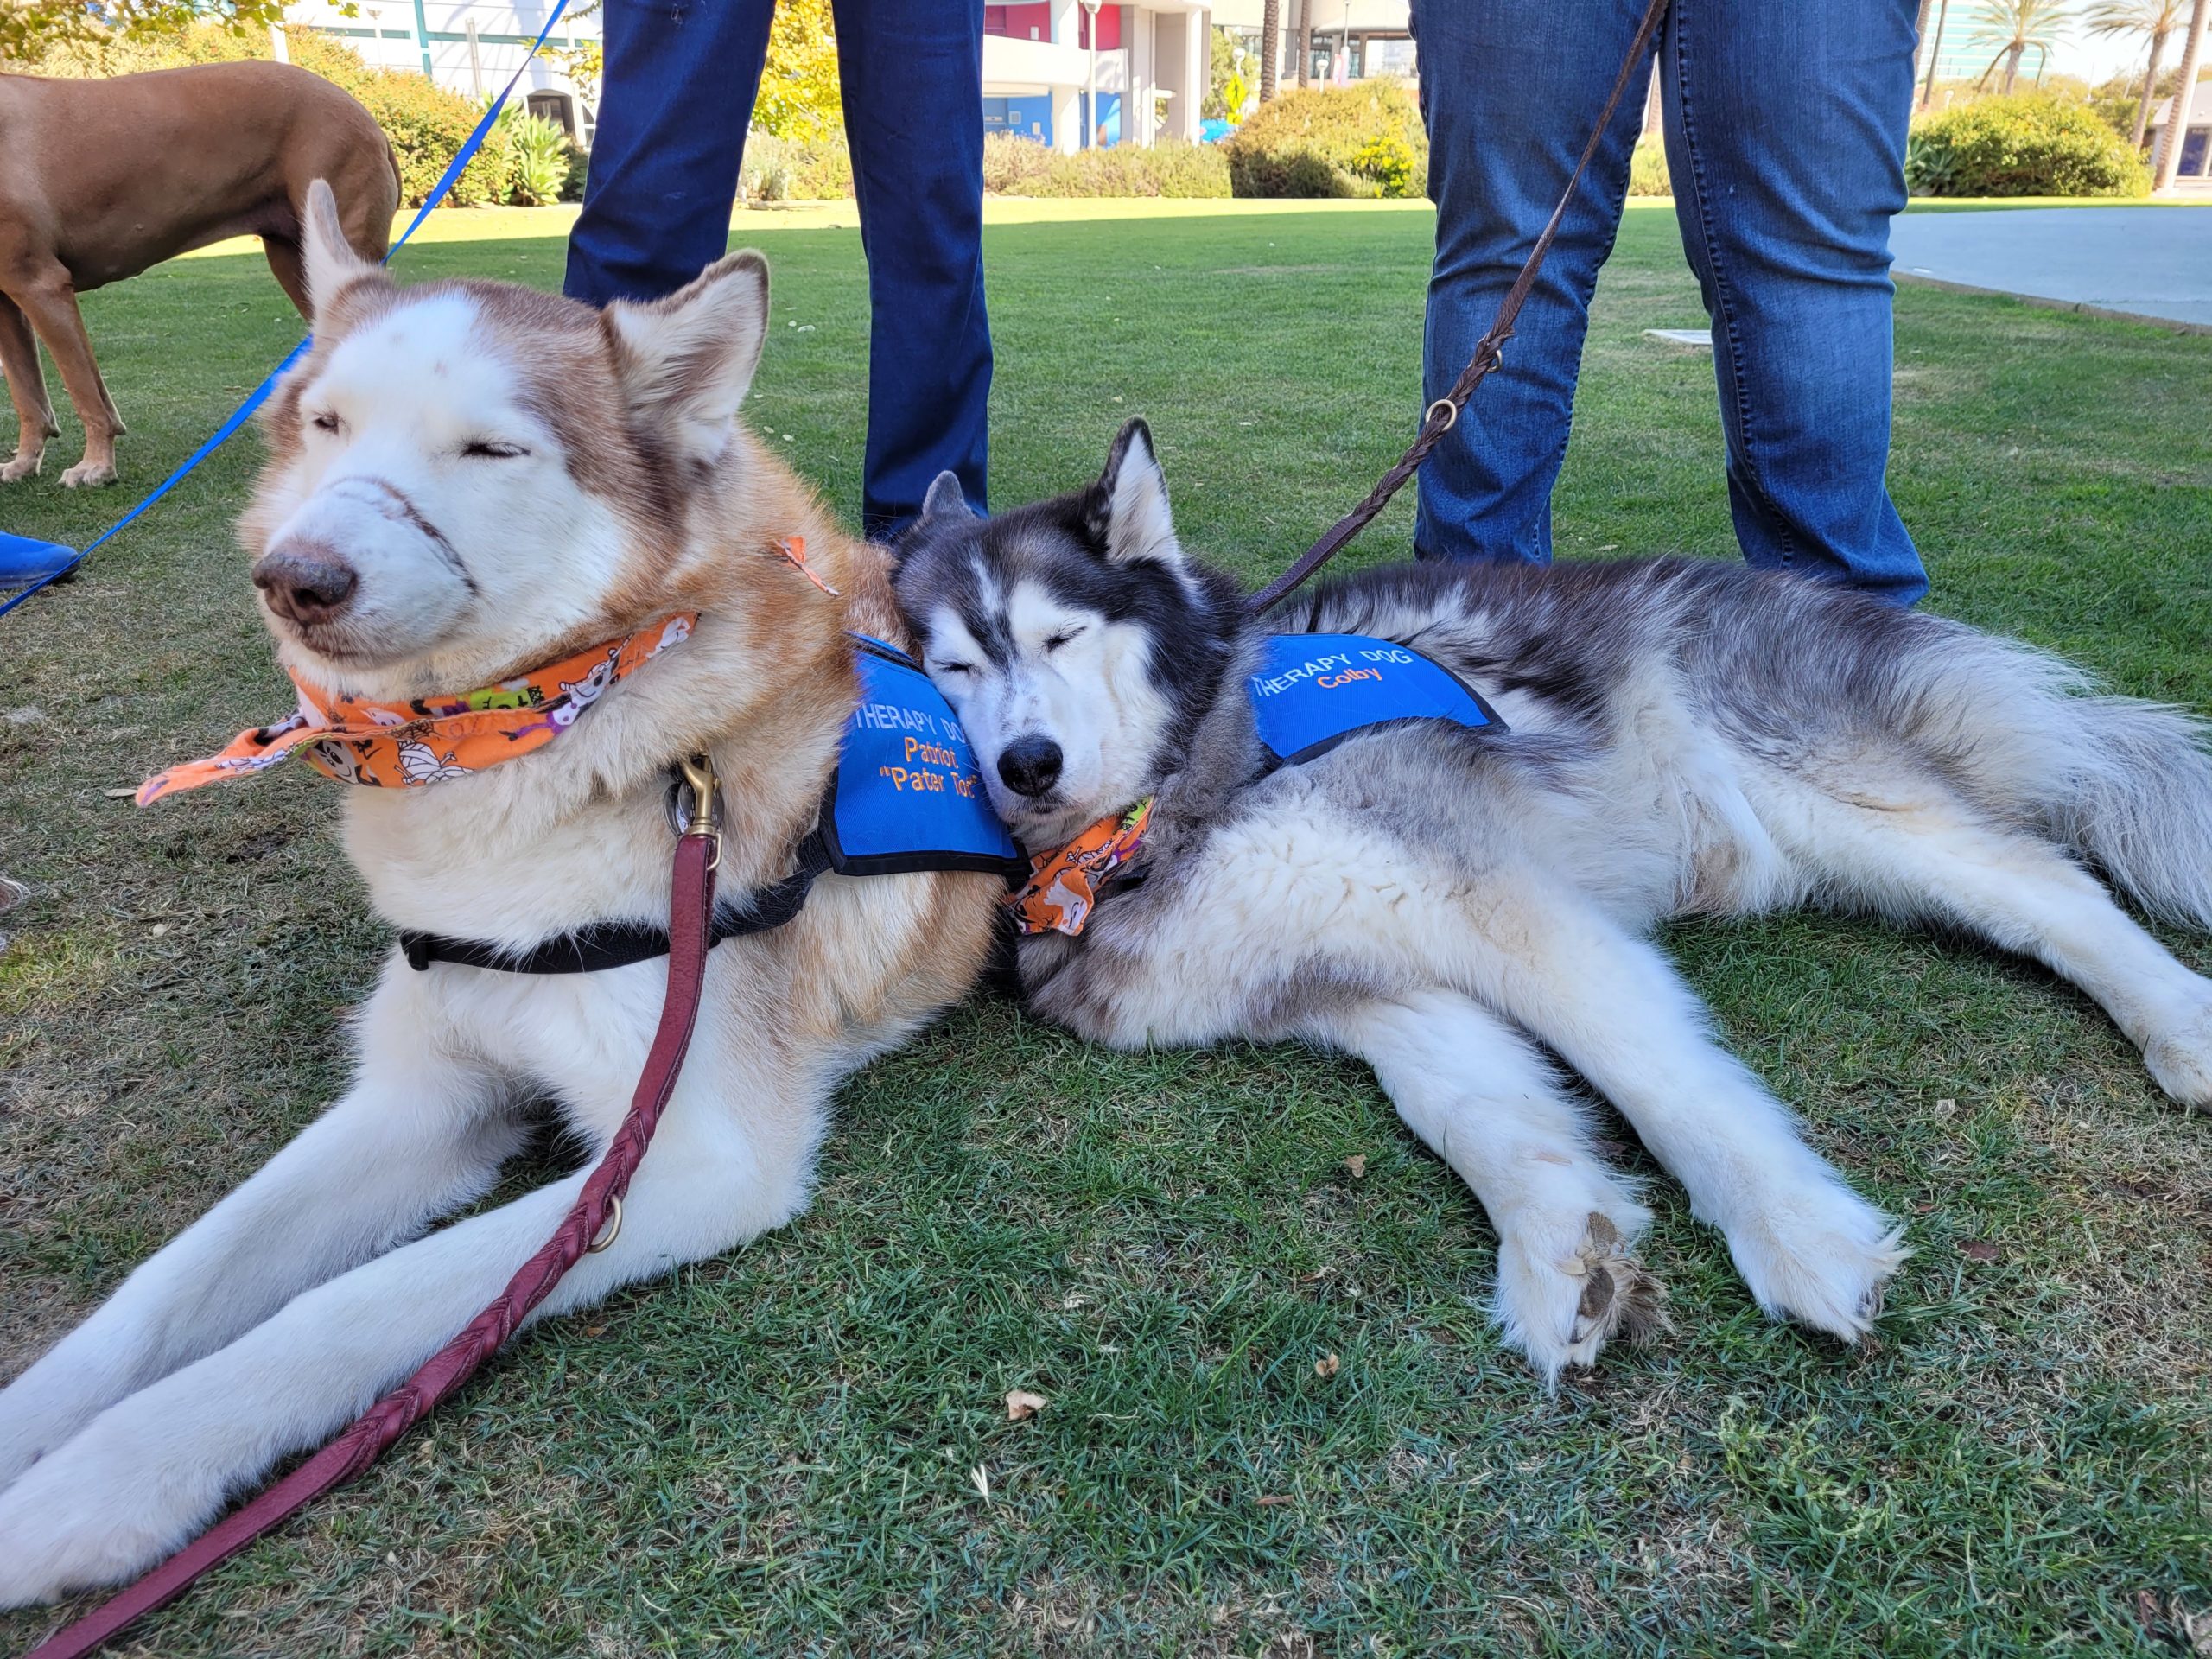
[(2015, 26), (1270, 47), (2192, 56), (1934, 52), (2157, 18)]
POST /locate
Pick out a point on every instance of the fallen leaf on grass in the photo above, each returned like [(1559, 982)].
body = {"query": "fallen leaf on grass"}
[(1021, 1405), (1357, 1166), (1326, 1366), (1273, 1503), (118, 794), (1980, 1249)]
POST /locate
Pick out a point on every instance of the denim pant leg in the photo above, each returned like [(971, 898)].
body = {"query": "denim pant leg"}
[(1510, 89), (676, 98), (1785, 139), (913, 74)]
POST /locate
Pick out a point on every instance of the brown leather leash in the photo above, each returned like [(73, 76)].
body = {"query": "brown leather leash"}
[(1440, 416), (590, 1225)]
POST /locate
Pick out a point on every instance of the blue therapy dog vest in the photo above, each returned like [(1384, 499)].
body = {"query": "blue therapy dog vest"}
[(908, 795), (1313, 690)]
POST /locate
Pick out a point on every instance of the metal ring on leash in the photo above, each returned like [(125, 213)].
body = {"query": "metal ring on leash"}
[(611, 1231), (1429, 414)]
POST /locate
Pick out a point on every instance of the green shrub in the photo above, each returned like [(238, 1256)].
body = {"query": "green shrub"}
[(1338, 141), (572, 186), (1647, 170), (2030, 145), (425, 122), (795, 168), (1015, 166), (540, 149)]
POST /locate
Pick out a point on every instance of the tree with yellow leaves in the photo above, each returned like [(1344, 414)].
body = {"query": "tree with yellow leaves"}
[(799, 94)]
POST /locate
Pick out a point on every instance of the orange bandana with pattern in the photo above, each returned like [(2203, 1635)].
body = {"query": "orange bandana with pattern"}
[(1064, 887), (429, 739)]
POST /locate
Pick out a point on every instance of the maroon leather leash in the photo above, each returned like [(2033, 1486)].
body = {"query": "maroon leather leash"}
[(691, 906), (1440, 416)]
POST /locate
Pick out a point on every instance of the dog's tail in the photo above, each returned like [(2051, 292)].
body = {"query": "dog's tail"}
[(2124, 783)]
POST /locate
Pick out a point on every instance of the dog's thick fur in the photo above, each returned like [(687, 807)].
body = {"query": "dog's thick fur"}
[(1686, 738), (104, 178), (509, 477)]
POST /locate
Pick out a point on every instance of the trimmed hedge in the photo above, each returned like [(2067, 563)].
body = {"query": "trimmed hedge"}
[(1013, 166), (425, 124), (1366, 140), (795, 170), (2035, 145)]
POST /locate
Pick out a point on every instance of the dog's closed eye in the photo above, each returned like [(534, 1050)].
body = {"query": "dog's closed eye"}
[(954, 668), (327, 421), (493, 449), (1060, 639)]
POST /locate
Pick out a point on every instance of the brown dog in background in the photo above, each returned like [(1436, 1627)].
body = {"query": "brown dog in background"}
[(104, 178)]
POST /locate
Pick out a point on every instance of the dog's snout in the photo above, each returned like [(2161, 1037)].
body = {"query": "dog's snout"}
[(1030, 764), (305, 581)]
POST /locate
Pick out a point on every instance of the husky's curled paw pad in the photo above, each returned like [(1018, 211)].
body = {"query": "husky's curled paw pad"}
[(2181, 1063), (1620, 1297)]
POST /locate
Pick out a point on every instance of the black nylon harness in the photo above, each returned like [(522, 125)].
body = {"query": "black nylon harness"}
[(616, 944)]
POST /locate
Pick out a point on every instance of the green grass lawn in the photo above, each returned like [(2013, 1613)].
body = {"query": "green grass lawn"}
[(773, 1453)]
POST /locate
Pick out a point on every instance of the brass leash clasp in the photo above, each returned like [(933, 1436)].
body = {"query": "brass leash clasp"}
[(695, 802)]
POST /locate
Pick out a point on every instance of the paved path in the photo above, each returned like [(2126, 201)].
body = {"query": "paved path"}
[(2147, 262)]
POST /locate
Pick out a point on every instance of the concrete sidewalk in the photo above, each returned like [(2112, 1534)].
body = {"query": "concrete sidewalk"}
[(2141, 262)]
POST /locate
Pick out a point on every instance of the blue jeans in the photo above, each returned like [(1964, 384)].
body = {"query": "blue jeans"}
[(1785, 129), (679, 85)]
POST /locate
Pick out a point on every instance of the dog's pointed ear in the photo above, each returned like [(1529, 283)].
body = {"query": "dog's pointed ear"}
[(946, 503), (331, 264), (1128, 506), (686, 362)]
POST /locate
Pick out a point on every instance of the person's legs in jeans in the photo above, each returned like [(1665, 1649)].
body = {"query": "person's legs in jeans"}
[(679, 83), (913, 83), (1785, 140), (1509, 89)]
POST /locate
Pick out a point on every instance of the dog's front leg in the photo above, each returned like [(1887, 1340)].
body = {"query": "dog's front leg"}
[(421, 1132), (1491, 1107), (147, 1473)]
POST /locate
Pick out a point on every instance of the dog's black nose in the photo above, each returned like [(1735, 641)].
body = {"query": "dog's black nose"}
[(1031, 764), (306, 582)]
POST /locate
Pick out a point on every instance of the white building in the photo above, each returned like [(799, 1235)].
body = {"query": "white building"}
[(1041, 74), (470, 47), (1351, 38), (1045, 78)]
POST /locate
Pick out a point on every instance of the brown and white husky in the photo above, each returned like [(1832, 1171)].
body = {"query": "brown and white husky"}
[(467, 480)]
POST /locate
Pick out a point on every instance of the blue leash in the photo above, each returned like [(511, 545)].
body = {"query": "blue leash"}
[(28, 553)]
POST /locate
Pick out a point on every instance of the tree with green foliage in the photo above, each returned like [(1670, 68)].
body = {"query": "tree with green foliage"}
[(30, 29), (2016, 27), (2155, 19)]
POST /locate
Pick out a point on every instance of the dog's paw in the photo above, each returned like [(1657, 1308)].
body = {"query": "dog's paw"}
[(1560, 1302), (20, 467), (86, 474), (35, 1417), (1817, 1253), (95, 1513), (2179, 1058)]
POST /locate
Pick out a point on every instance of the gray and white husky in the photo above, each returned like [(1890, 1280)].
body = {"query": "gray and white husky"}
[(1686, 738)]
